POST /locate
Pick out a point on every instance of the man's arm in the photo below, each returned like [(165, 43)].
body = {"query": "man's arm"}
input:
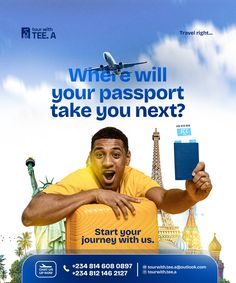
[(45, 209), (176, 200)]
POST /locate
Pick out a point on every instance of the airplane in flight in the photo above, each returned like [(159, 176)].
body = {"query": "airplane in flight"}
[(113, 66), (45, 266)]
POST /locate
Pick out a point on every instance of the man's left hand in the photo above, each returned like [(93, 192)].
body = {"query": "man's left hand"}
[(200, 187)]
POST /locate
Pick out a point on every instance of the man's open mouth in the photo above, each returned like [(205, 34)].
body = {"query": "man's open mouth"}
[(108, 175)]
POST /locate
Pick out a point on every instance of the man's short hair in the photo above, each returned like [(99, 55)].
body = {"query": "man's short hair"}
[(110, 133)]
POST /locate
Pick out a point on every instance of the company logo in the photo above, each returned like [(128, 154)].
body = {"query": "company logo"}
[(25, 32), (45, 269), (37, 33)]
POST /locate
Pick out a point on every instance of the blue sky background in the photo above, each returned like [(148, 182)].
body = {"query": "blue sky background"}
[(131, 30), (85, 29)]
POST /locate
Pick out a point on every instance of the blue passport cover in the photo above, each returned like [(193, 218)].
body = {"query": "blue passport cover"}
[(186, 158)]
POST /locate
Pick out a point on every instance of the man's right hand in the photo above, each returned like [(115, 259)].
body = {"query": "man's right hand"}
[(45, 209), (116, 201)]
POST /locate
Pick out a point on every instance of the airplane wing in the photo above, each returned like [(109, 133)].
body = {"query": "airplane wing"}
[(103, 68), (116, 67), (128, 65)]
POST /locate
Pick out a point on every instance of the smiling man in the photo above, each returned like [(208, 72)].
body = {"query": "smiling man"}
[(108, 179)]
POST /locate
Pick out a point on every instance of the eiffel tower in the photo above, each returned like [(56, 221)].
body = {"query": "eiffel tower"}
[(168, 232)]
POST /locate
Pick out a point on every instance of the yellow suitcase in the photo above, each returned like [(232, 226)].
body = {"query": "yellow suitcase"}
[(94, 227)]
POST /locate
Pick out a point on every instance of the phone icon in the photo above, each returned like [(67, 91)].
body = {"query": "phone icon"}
[(65, 268)]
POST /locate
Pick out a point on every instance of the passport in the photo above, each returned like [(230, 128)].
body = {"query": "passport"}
[(186, 157)]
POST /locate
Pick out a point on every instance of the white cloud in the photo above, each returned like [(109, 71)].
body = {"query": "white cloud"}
[(217, 50), (13, 85), (34, 95), (64, 77), (204, 65)]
